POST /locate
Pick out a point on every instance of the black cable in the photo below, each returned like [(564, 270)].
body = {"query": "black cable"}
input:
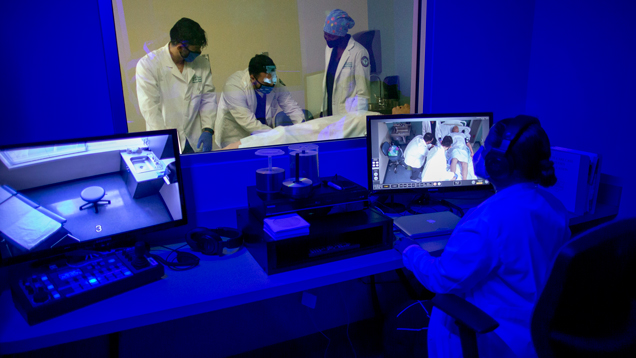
[(182, 260)]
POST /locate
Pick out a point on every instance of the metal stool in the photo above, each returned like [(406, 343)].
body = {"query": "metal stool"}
[(93, 196)]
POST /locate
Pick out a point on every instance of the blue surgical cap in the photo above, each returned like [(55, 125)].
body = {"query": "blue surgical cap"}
[(338, 23)]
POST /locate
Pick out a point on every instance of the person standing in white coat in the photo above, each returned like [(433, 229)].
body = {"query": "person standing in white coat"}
[(500, 254), (175, 90), (415, 154), (250, 100), (347, 72)]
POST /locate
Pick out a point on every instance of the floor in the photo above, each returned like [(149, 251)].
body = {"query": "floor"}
[(123, 213)]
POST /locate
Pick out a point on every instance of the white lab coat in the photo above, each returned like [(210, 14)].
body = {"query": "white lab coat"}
[(171, 99), (436, 164), (415, 152), (236, 116), (353, 124), (498, 258), (351, 80)]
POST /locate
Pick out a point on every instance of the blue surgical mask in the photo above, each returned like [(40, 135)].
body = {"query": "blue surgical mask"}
[(480, 163), (265, 89), (191, 56)]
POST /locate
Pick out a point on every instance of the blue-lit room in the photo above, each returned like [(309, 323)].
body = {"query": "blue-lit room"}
[(354, 178)]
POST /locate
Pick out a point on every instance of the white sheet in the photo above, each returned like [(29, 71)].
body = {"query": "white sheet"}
[(353, 124)]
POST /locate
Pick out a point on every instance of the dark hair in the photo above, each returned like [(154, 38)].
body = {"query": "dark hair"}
[(188, 31), (531, 156), (258, 64), (431, 137), (447, 141)]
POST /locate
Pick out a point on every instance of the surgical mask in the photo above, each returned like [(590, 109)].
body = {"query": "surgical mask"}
[(336, 43), (191, 56), (333, 43), (265, 89), (480, 163)]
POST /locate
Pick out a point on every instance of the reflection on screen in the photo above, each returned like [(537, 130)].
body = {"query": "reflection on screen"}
[(291, 33), (425, 152), (55, 195)]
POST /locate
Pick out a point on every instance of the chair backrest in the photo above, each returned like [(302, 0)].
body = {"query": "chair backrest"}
[(385, 148), (588, 305)]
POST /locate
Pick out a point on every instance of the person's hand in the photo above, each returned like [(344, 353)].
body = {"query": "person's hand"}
[(234, 145), (402, 243), (205, 140), (405, 109)]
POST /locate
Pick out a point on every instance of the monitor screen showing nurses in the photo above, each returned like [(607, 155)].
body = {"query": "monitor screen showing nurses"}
[(221, 77), (418, 152)]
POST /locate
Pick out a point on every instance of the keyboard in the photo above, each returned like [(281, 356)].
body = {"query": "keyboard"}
[(60, 287)]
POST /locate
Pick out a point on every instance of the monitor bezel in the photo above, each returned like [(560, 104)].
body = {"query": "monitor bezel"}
[(106, 242), (423, 189)]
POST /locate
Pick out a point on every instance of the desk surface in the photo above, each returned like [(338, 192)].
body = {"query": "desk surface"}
[(218, 282)]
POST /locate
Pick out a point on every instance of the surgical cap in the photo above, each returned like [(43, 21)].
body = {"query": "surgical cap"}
[(338, 23)]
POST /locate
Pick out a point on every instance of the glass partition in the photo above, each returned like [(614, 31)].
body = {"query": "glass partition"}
[(368, 44)]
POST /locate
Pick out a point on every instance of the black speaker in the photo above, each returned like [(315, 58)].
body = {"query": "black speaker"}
[(504, 136), (211, 242)]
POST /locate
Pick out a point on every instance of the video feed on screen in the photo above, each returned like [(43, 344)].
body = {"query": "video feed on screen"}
[(56, 195), (425, 152)]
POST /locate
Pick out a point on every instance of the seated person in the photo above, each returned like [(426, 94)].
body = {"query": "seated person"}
[(499, 255), (250, 100)]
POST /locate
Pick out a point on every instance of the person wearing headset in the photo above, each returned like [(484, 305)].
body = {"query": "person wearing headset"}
[(499, 255)]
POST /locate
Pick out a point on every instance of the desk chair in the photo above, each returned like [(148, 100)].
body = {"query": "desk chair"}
[(394, 160), (588, 305), (93, 196)]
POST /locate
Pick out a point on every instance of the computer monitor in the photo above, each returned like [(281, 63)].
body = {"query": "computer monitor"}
[(399, 158), (65, 195)]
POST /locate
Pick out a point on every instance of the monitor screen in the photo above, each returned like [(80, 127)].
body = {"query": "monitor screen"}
[(425, 151), (58, 196)]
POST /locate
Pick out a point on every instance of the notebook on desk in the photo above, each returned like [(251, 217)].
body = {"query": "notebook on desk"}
[(427, 225)]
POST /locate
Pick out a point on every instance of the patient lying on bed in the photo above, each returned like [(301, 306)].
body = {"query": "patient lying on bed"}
[(352, 124)]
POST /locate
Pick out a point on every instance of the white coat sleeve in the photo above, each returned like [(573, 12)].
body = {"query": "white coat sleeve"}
[(362, 77), (289, 106), (208, 103), (149, 96), (236, 103), (470, 255)]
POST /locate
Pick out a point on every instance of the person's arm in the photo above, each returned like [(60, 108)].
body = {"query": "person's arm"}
[(149, 96), (237, 104), (362, 76), (208, 108), (234, 145), (468, 258), (289, 106)]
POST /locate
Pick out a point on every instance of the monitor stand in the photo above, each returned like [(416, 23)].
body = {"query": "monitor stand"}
[(396, 208)]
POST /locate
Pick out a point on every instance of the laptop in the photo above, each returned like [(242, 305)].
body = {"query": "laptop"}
[(427, 225)]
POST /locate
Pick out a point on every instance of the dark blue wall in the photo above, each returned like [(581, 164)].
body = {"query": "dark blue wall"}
[(582, 81), (478, 56), (53, 72)]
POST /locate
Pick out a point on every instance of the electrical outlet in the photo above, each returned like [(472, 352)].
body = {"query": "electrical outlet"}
[(309, 299)]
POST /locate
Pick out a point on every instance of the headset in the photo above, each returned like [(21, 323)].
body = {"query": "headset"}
[(498, 162), (211, 242)]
